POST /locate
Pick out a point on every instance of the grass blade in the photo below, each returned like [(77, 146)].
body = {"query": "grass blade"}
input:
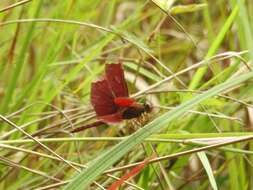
[(214, 47), (204, 160)]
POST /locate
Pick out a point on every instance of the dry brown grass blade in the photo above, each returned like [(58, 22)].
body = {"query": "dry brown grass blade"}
[(38, 142), (14, 5), (179, 154), (16, 165)]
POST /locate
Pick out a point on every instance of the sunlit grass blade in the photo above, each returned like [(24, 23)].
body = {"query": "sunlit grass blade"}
[(187, 8), (203, 158)]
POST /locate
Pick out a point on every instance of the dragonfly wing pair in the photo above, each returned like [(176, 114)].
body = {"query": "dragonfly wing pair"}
[(108, 94)]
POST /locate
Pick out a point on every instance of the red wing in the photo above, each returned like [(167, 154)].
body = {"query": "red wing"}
[(102, 98), (115, 77), (112, 118)]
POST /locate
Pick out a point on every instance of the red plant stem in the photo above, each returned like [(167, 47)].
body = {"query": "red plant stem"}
[(132, 173), (94, 124)]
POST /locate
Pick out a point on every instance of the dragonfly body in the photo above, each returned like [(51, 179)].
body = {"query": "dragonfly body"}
[(110, 99)]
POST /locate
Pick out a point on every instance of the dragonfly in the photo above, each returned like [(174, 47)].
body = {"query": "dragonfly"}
[(111, 101)]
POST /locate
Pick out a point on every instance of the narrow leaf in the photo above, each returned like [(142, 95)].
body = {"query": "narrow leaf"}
[(204, 160), (187, 8)]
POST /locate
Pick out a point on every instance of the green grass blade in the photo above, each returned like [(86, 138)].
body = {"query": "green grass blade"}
[(179, 9), (214, 47), (20, 62), (204, 160), (246, 26)]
